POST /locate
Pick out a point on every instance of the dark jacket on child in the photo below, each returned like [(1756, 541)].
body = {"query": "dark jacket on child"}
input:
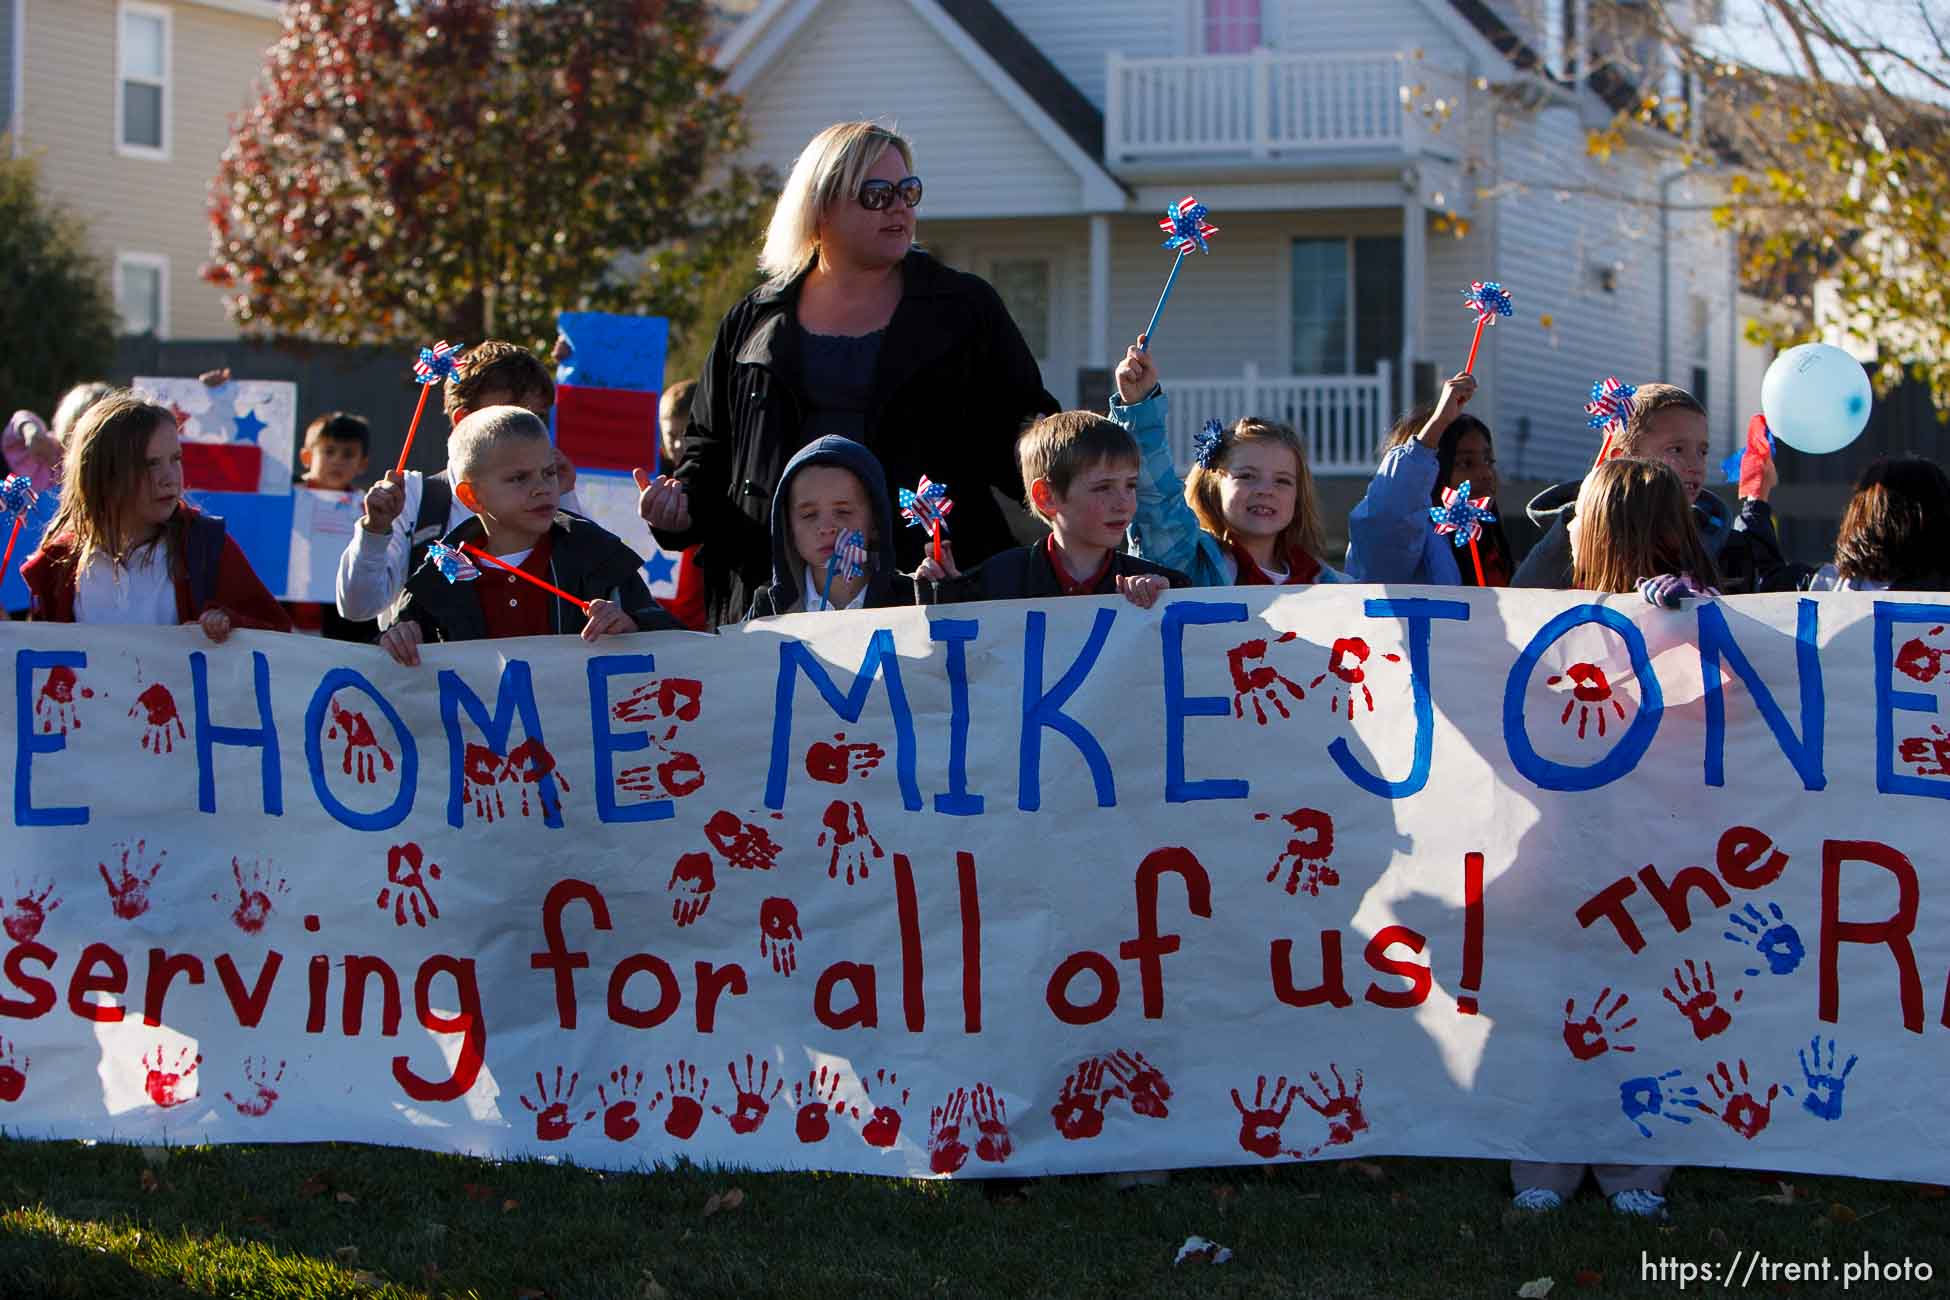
[(209, 572), (1745, 550), (585, 560), (886, 584), (1029, 573)]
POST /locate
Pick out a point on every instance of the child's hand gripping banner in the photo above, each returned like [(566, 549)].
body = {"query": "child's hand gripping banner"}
[(1038, 887)]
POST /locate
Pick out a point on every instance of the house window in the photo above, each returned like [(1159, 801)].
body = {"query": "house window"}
[(1347, 304), (1232, 26), (1023, 283), (142, 293), (142, 86)]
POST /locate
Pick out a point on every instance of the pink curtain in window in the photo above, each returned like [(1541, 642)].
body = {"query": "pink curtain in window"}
[(1231, 26)]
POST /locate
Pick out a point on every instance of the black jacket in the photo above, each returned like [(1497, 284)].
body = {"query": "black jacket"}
[(886, 584), (953, 386), (1024, 573), (586, 561)]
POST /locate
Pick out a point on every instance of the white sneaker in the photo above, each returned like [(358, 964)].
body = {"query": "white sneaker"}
[(1537, 1200), (1638, 1201)]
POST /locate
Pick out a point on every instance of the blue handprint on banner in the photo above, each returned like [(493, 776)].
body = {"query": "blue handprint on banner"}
[(1823, 1099), (1645, 1097), (1776, 940)]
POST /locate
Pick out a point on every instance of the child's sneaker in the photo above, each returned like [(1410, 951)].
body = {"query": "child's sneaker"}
[(1538, 1200), (1637, 1201)]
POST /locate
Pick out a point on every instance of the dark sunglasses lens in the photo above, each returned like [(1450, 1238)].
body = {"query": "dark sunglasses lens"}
[(910, 191), (875, 195)]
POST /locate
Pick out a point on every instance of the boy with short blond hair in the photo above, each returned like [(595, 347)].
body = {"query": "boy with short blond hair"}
[(1080, 476), (405, 514), (504, 474)]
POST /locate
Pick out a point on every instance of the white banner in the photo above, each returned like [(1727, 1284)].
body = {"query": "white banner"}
[(1002, 889)]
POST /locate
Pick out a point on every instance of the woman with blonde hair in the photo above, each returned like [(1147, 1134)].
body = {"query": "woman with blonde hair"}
[(855, 332)]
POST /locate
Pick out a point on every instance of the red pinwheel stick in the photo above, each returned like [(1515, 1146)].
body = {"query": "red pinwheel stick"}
[(399, 471), (1482, 322), (498, 563), (936, 530), (1604, 448), (7, 560), (1477, 560)]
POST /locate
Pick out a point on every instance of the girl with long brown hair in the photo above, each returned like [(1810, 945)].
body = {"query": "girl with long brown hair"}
[(1895, 535), (1634, 531), (124, 547)]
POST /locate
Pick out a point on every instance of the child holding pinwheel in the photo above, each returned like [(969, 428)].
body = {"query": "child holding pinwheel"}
[(542, 571), (1665, 423), (1246, 515), (1430, 454), (832, 534)]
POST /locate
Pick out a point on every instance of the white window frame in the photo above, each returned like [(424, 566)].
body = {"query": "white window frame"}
[(123, 9), (158, 262)]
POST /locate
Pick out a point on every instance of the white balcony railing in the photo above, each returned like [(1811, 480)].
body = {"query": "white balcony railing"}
[(1342, 417), (1266, 103)]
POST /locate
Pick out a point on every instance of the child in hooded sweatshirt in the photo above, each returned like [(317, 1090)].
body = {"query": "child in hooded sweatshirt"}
[(1668, 424), (833, 486)]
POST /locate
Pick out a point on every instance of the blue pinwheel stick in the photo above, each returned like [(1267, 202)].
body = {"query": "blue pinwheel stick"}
[(1185, 228), (849, 559)]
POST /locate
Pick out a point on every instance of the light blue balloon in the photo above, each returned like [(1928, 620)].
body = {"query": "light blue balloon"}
[(1816, 398)]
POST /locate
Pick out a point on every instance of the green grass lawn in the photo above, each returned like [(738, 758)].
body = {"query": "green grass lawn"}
[(108, 1221)]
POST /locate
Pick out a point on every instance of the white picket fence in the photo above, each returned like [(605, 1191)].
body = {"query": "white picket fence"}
[(1342, 417), (1269, 102)]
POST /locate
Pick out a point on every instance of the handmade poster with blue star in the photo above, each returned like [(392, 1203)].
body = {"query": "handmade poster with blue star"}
[(605, 421), (239, 446)]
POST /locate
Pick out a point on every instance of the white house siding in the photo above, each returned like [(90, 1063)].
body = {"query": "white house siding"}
[(1337, 27), (878, 59), (1076, 35)]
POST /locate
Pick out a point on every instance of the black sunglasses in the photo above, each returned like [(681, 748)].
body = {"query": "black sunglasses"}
[(876, 195)]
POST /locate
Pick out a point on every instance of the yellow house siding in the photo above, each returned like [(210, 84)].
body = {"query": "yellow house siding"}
[(140, 205)]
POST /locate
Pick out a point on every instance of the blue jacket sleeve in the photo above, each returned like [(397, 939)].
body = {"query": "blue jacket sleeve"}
[(1388, 532), (1164, 530)]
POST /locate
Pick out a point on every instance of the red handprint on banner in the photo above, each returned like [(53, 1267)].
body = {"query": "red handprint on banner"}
[(686, 1100), (532, 764), (754, 1102), (815, 1102), (669, 697), (162, 725), (947, 1153), (991, 1125), (1347, 662), (550, 1107), (846, 824), (1260, 682), (254, 891), (620, 1122), (1744, 1113), (128, 889), (54, 707), (1339, 1107), (1260, 1123), (1140, 1081), (363, 753), (883, 1127), (839, 762), (1930, 754), (260, 1087), (406, 889), (1309, 855), (1697, 998), (1595, 1034), (745, 846), (779, 934), (1921, 661), (28, 912), (678, 775), (691, 881), (1079, 1109), (1590, 692), (13, 1072), (482, 771), (170, 1087)]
